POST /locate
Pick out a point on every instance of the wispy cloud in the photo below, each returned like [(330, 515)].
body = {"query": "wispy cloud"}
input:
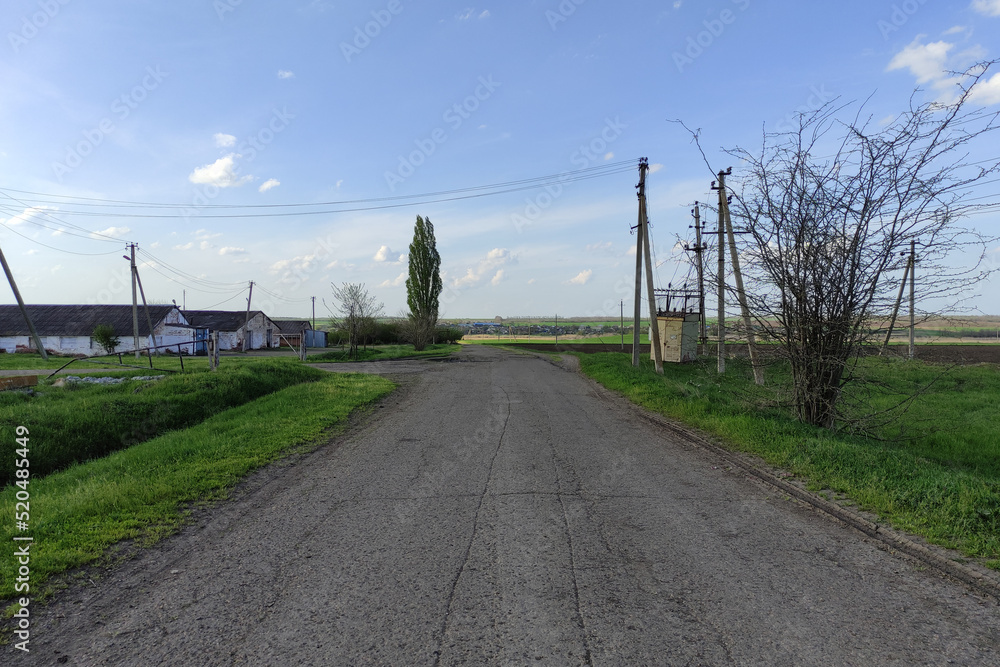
[(224, 140), (230, 250), (581, 278), (114, 232), (286, 74), (495, 259), (987, 7), (268, 184), (395, 282)]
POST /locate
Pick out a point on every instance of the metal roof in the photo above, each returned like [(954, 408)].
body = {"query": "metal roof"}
[(77, 320), (220, 320)]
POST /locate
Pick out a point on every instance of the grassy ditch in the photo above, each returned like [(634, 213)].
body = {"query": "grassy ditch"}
[(934, 472), (142, 492), (79, 422), (383, 352)]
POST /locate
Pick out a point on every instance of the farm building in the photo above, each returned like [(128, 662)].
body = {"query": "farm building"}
[(233, 327), (292, 331), (69, 329)]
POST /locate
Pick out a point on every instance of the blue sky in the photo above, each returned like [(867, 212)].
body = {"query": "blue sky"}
[(212, 105)]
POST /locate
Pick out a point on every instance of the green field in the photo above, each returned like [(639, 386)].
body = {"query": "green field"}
[(934, 472)]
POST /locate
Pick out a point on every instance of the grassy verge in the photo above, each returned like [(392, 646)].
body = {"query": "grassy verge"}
[(141, 492), (78, 422), (383, 352), (935, 472)]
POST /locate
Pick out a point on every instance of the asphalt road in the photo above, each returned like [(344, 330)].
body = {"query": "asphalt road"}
[(501, 509)]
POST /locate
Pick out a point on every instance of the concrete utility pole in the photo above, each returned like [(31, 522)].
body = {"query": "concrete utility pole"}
[(24, 311), (698, 251), (895, 308), (654, 324), (722, 273), (758, 369), (314, 313), (638, 292), (246, 327), (145, 306), (135, 302), (913, 297)]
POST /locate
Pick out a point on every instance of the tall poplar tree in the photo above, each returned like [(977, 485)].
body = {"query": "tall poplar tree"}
[(423, 287)]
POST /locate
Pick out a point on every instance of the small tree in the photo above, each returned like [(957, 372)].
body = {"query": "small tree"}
[(829, 210), (104, 335), (356, 313), (423, 287)]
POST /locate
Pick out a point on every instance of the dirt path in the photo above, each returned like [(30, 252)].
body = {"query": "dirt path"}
[(501, 509)]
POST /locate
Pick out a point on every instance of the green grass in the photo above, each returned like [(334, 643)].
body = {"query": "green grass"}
[(143, 492), (607, 339), (78, 422), (383, 352), (935, 472)]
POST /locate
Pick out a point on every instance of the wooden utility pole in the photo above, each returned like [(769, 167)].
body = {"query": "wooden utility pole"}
[(698, 251), (758, 369), (722, 274), (654, 325), (913, 297), (135, 303), (24, 311), (246, 327)]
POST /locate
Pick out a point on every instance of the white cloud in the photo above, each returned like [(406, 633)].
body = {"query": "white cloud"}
[(286, 74), (987, 91), (268, 184), (395, 282), (339, 183), (987, 7), (224, 140), (609, 155), (606, 245), (186, 246), (297, 269), (581, 278), (205, 245), (678, 3), (230, 250), (28, 214), (114, 232), (497, 278), (494, 260), (204, 234), (32, 251), (383, 254), (55, 269), (954, 30), (927, 62), (485, 14), (221, 173), (655, 167)]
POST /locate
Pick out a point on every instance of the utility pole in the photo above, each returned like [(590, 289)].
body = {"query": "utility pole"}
[(149, 320), (135, 303), (246, 327), (722, 271), (314, 313), (758, 370), (654, 324), (638, 291), (698, 251), (899, 301), (913, 298), (24, 311), (622, 305)]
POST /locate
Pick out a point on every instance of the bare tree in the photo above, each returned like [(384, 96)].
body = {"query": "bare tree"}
[(356, 312), (830, 210)]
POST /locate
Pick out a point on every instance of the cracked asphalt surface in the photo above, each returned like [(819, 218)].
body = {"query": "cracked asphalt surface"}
[(502, 509)]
